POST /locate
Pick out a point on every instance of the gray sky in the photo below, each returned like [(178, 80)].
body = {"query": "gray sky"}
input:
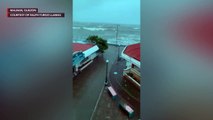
[(107, 11)]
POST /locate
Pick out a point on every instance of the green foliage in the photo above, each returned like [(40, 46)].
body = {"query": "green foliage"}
[(100, 42)]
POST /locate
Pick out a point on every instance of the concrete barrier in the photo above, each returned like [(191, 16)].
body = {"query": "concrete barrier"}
[(112, 92), (127, 109)]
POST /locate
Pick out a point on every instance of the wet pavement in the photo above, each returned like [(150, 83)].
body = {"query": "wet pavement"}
[(126, 90), (108, 109), (87, 87), (88, 84)]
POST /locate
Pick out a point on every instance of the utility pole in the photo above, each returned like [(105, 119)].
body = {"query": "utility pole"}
[(118, 44)]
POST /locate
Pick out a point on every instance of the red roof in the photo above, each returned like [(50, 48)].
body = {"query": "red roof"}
[(133, 51), (81, 47)]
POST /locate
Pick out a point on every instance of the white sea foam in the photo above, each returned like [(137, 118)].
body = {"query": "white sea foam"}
[(93, 29), (122, 42), (76, 28), (136, 28)]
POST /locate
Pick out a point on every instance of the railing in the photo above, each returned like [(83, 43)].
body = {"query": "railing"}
[(133, 76), (85, 65)]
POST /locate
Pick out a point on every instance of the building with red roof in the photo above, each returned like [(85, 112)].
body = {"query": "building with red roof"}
[(131, 54), (133, 51), (83, 55), (81, 46)]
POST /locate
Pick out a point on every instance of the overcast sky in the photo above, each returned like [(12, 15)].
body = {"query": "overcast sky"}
[(107, 11)]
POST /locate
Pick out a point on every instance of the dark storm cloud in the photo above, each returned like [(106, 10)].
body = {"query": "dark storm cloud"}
[(107, 11)]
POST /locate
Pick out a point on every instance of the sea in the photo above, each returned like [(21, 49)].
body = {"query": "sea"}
[(126, 35)]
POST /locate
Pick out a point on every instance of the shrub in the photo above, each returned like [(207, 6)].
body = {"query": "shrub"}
[(100, 42)]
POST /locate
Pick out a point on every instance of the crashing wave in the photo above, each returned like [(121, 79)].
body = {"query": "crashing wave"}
[(93, 29)]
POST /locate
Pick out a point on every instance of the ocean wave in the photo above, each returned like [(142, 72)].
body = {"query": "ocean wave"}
[(76, 28), (136, 28), (94, 29), (122, 42)]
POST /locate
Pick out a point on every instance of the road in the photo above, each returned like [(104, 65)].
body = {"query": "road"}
[(88, 84)]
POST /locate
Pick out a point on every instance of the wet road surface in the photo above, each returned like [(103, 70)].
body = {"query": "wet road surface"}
[(123, 89), (88, 84)]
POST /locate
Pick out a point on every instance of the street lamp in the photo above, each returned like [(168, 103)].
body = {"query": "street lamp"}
[(106, 80)]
